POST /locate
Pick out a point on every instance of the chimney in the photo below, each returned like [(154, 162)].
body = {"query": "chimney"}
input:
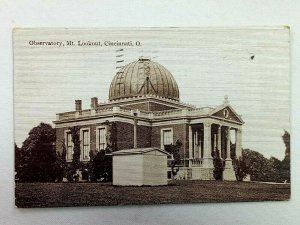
[(94, 102), (78, 106)]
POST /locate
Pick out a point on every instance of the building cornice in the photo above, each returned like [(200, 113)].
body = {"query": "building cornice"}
[(147, 118)]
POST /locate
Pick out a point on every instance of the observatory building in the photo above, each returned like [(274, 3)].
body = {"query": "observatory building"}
[(144, 111)]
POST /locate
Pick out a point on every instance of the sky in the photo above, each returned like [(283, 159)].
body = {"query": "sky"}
[(249, 65)]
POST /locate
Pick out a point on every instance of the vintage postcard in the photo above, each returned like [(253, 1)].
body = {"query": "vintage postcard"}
[(151, 115)]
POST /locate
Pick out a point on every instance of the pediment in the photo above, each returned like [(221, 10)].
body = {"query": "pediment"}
[(227, 113)]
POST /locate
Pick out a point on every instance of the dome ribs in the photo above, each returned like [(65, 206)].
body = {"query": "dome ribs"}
[(147, 85), (140, 77), (159, 82), (124, 76), (120, 81), (156, 78), (170, 78), (153, 78), (166, 79), (175, 90), (143, 77), (129, 82), (114, 82)]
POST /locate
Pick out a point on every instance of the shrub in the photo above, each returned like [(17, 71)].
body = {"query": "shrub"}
[(240, 169), (174, 151), (99, 166), (218, 165)]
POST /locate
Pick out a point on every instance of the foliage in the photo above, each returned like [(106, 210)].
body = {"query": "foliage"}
[(61, 163), (35, 161), (100, 165), (76, 147), (286, 140), (263, 169), (285, 164), (18, 161), (259, 167), (174, 151), (71, 170), (112, 137), (218, 165), (240, 169)]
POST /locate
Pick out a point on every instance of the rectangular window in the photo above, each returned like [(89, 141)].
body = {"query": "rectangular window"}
[(166, 137), (101, 138), (85, 144), (69, 146)]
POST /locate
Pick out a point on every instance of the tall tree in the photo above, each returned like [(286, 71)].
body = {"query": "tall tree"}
[(285, 164), (36, 158), (286, 140), (259, 167)]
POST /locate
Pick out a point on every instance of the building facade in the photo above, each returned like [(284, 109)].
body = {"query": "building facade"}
[(145, 110)]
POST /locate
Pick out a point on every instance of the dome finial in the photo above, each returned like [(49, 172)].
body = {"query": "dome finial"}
[(225, 101), (144, 58)]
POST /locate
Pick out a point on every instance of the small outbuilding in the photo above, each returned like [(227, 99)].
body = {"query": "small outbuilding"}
[(140, 166)]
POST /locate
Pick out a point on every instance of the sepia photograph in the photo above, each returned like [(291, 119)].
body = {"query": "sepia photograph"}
[(143, 116)]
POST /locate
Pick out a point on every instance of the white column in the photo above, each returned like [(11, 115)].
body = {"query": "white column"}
[(215, 142), (228, 173), (207, 159), (200, 146), (190, 145), (228, 145), (220, 140), (207, 140), (196, 145), (238, 143)]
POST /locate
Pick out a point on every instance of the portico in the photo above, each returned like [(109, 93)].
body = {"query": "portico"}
[(208, 137)]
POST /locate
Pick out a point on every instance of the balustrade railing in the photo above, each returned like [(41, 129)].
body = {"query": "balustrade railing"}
[(142, 114), (197, 162)]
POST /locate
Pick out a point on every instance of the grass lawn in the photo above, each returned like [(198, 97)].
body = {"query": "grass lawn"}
[(93, 194)]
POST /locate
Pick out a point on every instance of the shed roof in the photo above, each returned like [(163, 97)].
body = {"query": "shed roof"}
[(135, 151)]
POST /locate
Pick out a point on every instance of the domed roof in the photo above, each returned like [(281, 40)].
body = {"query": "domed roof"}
[(141, 78)]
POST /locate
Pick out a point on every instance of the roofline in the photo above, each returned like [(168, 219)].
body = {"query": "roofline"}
[(218, 108), (149, 97), (138, 153)]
